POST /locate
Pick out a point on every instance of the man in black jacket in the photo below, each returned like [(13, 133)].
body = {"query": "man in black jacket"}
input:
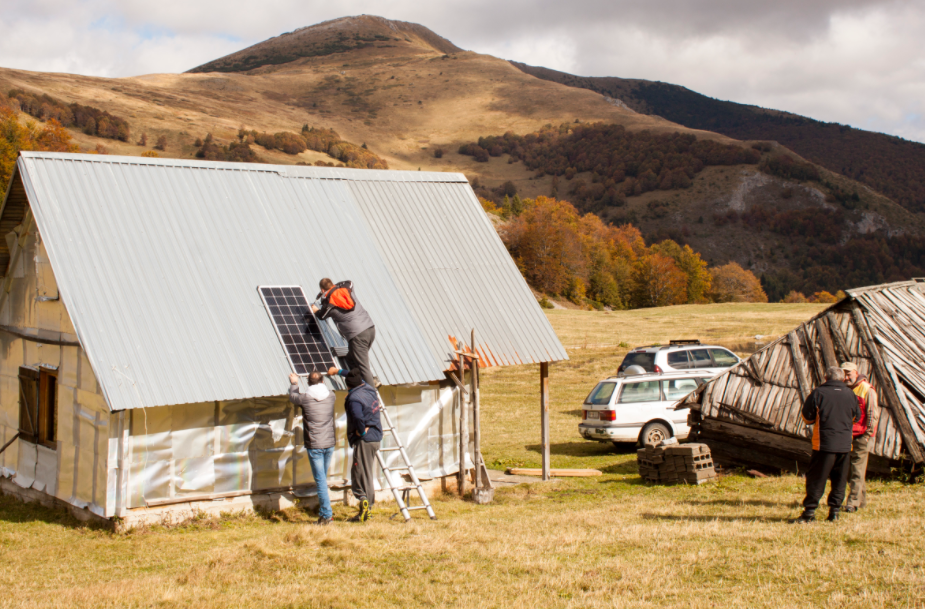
[(364, 433), (831, 409)]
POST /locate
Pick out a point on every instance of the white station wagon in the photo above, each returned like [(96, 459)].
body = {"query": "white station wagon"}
[(639, 407)]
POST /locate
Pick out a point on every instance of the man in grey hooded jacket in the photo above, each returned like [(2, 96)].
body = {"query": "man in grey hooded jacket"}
[(317, 406)]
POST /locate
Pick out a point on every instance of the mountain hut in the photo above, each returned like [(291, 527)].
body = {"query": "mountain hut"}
[(141, 376)]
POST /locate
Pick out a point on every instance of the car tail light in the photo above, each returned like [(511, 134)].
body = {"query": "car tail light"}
[(584, 415), (607, 415), (657, 370)]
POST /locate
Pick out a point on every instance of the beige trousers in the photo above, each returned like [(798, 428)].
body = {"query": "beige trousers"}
[(860, 449)]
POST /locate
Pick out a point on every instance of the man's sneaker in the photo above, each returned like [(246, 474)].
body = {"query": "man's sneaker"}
[(851, 509), (807, 517), (364, 510), (833, 515), (323, 522)]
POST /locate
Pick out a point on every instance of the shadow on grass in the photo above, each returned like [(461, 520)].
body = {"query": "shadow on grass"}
[(740, 502), (575, 413), (13, 510), (585, 449), (721, 518)]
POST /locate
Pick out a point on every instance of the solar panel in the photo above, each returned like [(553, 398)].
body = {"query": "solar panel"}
[(298, 332)]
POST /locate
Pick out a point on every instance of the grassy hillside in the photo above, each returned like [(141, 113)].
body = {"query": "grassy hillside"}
[(609, 541), (409, 96)]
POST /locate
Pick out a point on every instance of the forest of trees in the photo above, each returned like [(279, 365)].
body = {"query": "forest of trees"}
[(888, 164), (621, 163), (319, 140), (562, 252), (91, 121)]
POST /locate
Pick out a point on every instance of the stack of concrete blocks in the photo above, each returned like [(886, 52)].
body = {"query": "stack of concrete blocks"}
[(676, 464)]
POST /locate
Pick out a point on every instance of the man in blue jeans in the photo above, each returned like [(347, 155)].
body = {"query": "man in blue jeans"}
[(317, 406)]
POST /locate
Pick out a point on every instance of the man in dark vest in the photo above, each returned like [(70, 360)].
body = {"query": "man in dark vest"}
[(317, 406), (364, 433), (831, 409), (353, 322)]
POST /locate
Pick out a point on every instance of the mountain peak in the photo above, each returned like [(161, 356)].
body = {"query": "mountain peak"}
[(329, 37)]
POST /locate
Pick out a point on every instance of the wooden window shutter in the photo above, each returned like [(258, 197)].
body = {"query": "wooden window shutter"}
[(29, 404)]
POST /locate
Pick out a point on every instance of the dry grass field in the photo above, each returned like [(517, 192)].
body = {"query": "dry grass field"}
[(598, 542)]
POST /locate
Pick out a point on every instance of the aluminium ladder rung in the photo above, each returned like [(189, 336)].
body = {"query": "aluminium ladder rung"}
[(402, 487)]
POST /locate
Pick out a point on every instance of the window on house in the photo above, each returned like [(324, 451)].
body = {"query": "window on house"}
[(38, 416)]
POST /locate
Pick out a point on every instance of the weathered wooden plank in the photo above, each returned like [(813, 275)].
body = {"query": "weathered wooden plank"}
[(837, 337), (760, 437), (753, 418), (886, 387), (815, 366), (825, 341), (797, 358), (762, 405)]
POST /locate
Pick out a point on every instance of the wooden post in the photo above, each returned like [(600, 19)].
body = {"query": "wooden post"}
[(888, 390), (476, 424), (544, 416), (828, 351), (797, 360), (463, 427), (837, 337), (814, 363)]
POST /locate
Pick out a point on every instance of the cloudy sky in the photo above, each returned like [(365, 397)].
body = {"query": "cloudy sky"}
[(857, 62)]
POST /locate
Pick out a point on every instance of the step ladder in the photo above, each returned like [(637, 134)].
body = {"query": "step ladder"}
[(401, 490)]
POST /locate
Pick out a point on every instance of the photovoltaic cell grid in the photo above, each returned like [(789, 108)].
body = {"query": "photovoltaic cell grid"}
[(299, 333)]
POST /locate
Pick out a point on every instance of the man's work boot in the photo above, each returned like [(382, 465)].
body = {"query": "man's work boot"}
[(851, 509), (807, 517), (323, 522), (833, 515)]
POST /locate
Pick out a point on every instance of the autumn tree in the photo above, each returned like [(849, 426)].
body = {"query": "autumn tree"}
[(161, 143), (732, 283), (658, 282), (824, 297), (794, 297), (699, 279), (544, 241), (14, 136)]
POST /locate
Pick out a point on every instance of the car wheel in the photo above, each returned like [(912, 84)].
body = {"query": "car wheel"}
[(653, 433)]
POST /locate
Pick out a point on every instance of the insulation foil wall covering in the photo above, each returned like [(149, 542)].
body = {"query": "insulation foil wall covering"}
[(251, 445), (76, 470)]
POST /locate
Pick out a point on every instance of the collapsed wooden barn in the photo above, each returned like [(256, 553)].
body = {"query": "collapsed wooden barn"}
[(751, 413), (141, 375)]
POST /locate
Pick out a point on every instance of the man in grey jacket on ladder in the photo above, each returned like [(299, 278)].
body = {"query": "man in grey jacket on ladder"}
[(352, 321), (317, 406)]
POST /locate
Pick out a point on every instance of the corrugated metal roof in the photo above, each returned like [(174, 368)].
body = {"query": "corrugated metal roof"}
[(158, 261)]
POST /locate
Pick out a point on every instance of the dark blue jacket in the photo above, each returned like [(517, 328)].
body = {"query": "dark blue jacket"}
[(362, 406)]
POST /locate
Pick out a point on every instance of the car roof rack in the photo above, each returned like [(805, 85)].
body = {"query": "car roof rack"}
[(684, 341)]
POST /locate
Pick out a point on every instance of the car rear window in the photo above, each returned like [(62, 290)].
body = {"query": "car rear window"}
[(700, 358), (646, 391), (723, 358), (600, 395), (641, 358), (678, 359), (675, 389)]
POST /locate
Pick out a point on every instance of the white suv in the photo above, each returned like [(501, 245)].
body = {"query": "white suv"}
[(639, 407), (681, 355)]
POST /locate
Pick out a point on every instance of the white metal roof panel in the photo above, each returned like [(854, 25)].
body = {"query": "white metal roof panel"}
[(158, 261)]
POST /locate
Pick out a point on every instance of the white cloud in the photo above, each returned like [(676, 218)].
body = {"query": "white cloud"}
[(859, 62)]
